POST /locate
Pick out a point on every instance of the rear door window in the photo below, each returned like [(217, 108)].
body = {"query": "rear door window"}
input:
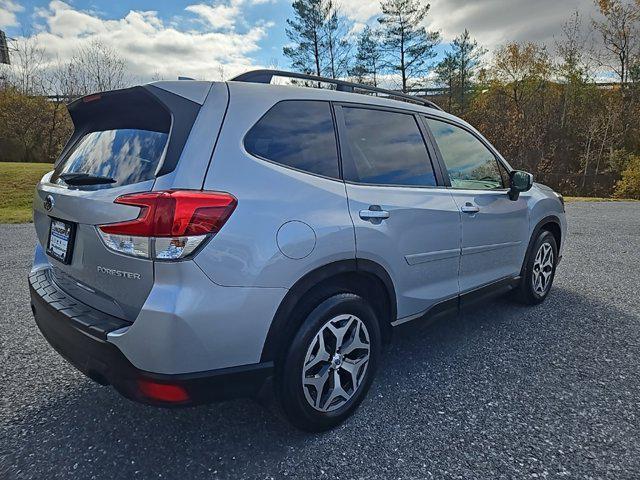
[(126, 155), (385, 148), (298, 134)]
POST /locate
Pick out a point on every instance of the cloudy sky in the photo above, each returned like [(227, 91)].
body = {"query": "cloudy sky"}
[(194, 37)]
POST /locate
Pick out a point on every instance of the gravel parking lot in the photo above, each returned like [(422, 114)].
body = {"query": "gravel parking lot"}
[(504, 391)]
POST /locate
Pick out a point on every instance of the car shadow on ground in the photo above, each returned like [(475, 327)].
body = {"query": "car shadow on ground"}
[(433, 373)]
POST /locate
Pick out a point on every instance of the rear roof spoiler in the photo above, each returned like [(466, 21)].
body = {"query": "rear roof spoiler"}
[(144, 107)]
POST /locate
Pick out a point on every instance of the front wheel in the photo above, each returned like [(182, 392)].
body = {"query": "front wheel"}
[(330, 364), (540, 270)]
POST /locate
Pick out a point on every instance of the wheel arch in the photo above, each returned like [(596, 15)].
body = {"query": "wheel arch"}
[(550, 223), (359, 276)]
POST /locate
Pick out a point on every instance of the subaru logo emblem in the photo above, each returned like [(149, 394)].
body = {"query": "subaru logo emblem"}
[(49, 202)]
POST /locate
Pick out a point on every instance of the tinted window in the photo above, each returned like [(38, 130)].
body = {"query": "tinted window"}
[(386, 148), (126, 155), (297, 134), (470, 164)]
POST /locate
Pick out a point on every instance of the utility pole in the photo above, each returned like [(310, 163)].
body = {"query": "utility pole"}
[(4, 49)]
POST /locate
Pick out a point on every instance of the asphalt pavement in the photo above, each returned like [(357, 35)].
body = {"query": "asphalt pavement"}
[(503, 391)]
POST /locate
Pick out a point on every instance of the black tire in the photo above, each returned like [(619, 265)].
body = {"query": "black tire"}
[(289, 384), (526, 292)]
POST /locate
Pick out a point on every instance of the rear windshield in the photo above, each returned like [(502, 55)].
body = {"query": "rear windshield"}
[(126, 155)]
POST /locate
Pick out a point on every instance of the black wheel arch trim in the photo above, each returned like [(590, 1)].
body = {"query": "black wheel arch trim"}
[(279, 329), (534, 236)]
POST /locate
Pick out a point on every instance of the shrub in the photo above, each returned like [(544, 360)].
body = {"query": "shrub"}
[(32, 128), (629, 185)]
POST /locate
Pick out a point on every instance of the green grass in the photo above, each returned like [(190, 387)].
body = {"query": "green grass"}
[(598, 199), (17, 181)]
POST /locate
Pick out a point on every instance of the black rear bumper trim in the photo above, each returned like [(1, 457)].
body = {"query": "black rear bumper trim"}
[(84, 344), (89, 320)]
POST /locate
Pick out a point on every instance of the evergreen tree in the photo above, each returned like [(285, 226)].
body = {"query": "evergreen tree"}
[(307, 33), (336, 47), (368, 58), (318, 34), (408, 45), (467, 54), (447, 76), (457, 70)]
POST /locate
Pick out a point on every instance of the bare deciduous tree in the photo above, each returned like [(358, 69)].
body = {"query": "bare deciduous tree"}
[(620, 32), (98, 67), (26, 71)]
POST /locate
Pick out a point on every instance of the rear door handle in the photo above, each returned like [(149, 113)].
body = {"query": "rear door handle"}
[(374, 213), (468, 208)]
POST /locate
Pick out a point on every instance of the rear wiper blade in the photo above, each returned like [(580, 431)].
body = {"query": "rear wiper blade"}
[(85, 179)]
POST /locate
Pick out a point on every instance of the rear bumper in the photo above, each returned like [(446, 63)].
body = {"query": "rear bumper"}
[(79, 334)]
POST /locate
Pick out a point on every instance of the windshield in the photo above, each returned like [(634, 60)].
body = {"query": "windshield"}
[(126, 155)]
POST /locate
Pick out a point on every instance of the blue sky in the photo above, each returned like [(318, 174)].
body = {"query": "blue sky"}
[(198, 38)]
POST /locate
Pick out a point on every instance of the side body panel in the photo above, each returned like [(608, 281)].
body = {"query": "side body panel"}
[(190, 324), (286, 223), (544, 203), (495, 239), (418, 245), (194, 161)]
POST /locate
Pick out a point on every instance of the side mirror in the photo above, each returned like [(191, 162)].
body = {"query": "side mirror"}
[(520, 182)]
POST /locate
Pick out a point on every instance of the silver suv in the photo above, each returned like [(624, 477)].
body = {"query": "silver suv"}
[(197, 239)]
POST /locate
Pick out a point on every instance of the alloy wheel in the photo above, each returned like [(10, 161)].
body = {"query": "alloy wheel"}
[(542, 269), (336, 363)]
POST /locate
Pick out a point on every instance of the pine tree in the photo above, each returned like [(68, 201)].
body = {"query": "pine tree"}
[(336, 47), (408, 45), (457, 70), (447, 76), (467, 54), (306, 32), (368, 58), (318, 33)]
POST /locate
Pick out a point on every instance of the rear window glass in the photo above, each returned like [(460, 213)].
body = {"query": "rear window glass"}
[(386, 148), (297, 134), (126, 155)]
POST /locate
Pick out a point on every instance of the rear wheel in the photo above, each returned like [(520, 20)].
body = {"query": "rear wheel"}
[(540, 270), (330, 364)]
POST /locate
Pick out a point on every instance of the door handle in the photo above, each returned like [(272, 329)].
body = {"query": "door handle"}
[(374, 213), (468, 208)]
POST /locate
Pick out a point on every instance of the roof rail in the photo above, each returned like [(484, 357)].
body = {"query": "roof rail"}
[(265, 76)]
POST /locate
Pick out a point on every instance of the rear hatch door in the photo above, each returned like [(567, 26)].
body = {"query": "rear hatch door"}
[(122, 141)]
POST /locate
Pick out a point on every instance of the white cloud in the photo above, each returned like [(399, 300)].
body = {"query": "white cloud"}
[(220, 16), (495, 22), (492, 22), (360, 11), (8, 10), (152, 46)]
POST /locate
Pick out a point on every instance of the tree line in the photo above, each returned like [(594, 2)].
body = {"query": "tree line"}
[(34, 123), (568, 112)]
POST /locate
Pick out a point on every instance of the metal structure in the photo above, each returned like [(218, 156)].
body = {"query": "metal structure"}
[(4, 49), (265, 76)]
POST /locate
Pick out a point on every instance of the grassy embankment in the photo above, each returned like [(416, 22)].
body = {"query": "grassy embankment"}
[(17, 181)]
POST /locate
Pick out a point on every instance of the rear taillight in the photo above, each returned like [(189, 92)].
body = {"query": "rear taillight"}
[(170, 225)]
